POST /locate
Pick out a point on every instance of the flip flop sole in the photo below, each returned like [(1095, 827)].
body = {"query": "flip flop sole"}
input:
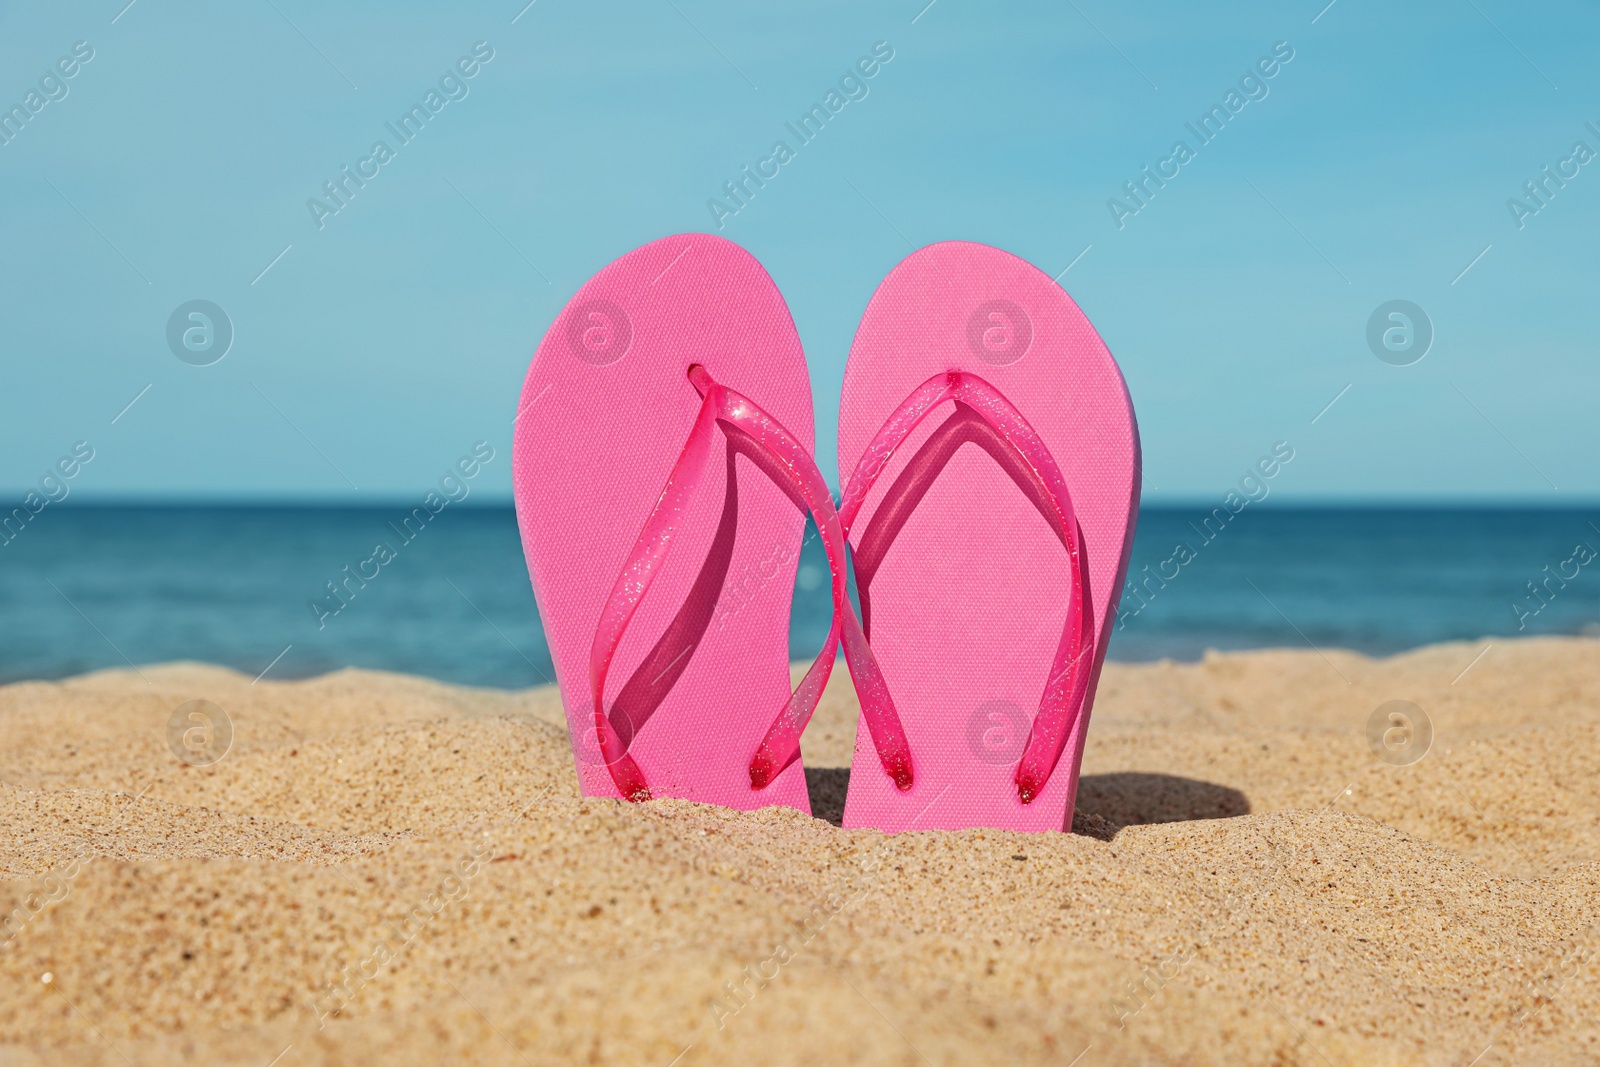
[(604, 413), (967, 605)]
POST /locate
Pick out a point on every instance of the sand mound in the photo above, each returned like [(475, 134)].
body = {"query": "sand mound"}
[(386, 869)]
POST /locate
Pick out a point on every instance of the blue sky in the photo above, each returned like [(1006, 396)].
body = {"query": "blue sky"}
[(373, 351)]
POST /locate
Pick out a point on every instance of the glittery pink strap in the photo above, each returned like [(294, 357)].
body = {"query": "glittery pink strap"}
[(1063, 692), (721, 404)]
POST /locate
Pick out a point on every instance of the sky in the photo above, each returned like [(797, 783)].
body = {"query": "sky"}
[(372, 346)]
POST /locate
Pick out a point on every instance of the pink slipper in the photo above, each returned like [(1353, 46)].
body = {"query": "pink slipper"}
[(989, 456), (663, 470)]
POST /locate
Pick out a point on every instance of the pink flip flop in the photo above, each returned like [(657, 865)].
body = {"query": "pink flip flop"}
[(989, 454), (662, 470)]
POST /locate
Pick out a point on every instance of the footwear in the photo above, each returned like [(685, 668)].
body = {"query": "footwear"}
[(663, 471), (989, 455)]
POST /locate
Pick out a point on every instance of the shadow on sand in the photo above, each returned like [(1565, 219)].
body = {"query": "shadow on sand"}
[(1106, 802)]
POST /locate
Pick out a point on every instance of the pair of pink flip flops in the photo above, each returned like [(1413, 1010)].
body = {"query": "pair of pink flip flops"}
[(663, 469)]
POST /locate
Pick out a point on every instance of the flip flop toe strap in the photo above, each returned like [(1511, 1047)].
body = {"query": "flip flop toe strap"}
[(736, 413), (1064, 690)]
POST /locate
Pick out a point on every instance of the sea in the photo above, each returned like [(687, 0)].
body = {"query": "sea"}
[(90, 587)]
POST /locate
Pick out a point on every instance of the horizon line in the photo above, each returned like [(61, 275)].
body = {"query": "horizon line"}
[(1163, 502)]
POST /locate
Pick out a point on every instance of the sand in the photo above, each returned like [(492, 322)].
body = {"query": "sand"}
[(385, 869)]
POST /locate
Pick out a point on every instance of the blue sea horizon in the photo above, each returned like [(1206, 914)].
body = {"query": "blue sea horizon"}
[(96, 586)]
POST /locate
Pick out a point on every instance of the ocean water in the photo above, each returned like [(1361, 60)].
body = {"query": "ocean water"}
[(83, 588)]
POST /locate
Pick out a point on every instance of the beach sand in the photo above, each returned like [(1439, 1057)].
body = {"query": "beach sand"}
[(390, 870)]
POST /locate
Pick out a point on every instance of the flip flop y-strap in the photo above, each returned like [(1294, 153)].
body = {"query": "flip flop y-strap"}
[(721, 404), (1064, 690)]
